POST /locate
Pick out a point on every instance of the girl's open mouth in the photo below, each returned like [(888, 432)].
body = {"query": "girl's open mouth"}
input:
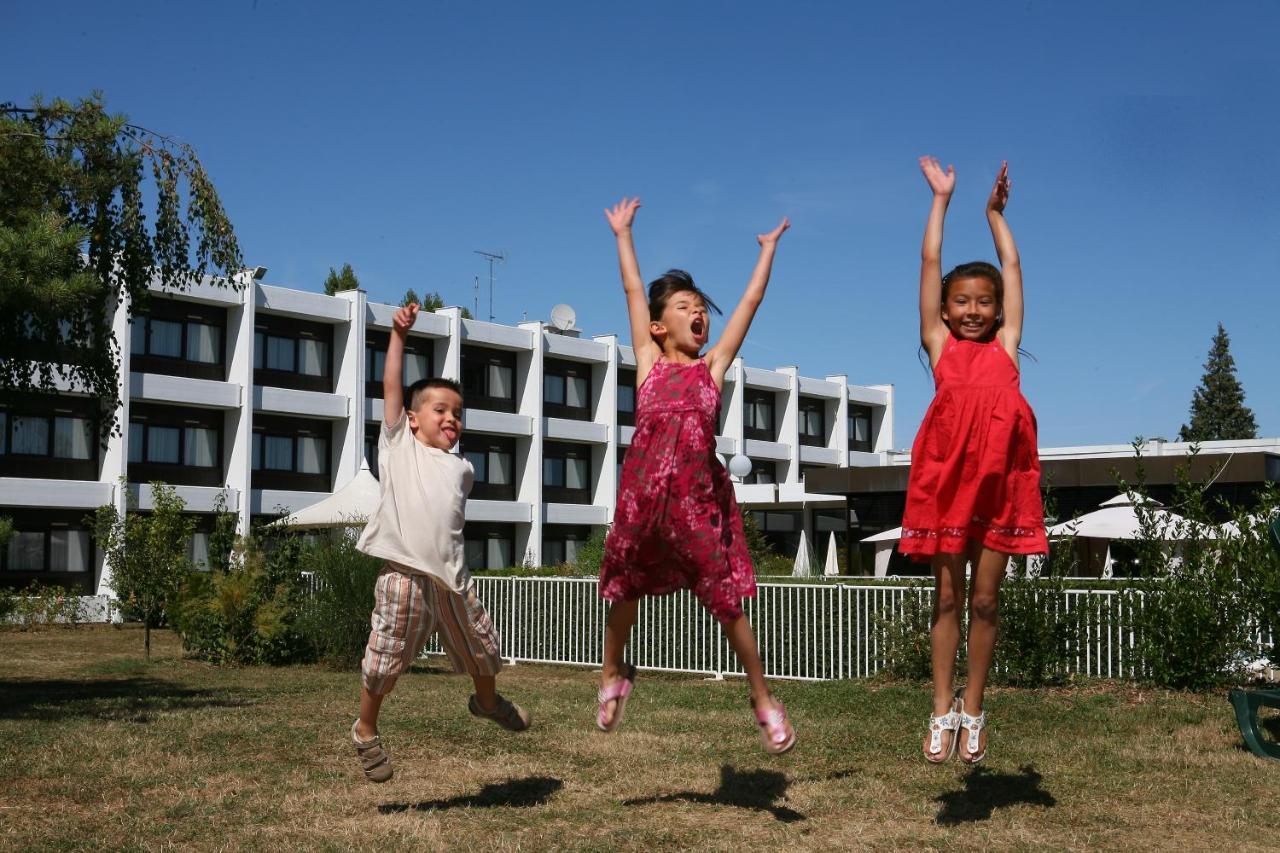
[(698, 327)]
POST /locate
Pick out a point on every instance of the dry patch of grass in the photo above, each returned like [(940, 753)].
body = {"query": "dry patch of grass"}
[(100, 750)]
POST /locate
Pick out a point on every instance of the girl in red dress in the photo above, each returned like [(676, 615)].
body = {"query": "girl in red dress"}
[(974, 490), (677, 524)]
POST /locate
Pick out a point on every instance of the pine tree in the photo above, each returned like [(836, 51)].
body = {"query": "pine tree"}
[(336, 281), (1217, 407)]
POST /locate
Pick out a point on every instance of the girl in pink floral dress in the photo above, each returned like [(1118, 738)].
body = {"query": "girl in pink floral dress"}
[(677, 524)]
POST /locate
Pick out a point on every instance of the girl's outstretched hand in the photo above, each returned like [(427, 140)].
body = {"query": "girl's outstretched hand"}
[(622, 214), (771, 239), (1000, 192), (404, 319), (942, 183)]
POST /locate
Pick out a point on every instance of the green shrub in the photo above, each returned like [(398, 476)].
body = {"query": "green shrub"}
[(1038, 633), (335, 620), (590, 556), (903, 635), (40, 606), (248, 613)]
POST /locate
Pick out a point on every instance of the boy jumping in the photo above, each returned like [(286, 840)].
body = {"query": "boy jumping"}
[(425, 586)]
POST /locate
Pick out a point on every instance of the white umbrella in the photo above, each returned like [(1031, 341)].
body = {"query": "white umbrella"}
[(832, 567), (803, 566), (350, 506), (1118, 518), (885, 542)]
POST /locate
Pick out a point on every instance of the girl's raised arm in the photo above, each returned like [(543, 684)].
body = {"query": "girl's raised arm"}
[(1010, 333), (620, 217), (720, 356), (933, 332)]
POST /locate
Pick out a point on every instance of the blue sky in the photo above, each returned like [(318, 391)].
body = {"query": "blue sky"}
[(400, 137)]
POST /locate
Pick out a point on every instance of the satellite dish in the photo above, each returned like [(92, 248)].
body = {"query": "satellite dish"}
[(563, 317)]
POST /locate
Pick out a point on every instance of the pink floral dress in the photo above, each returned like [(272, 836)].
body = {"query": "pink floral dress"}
[(677, 524)]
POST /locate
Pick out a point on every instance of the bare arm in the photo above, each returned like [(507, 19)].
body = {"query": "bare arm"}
[(735, 330), (620, 217), (393, 368), (933, 332), (1010, 265)]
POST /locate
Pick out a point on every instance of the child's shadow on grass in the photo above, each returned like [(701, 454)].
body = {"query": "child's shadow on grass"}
[(757, 790), (985, 790), (516, 793), (132, 699)]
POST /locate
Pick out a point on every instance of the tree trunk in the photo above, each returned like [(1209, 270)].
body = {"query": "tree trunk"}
[(146, 635)]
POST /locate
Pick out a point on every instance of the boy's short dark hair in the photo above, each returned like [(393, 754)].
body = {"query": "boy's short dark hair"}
[(414, 393)]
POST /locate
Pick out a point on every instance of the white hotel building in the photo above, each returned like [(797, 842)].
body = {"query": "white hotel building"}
[(270, 397)]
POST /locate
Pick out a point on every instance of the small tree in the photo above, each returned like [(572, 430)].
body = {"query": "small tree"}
[(147, 555), (336, 281), (1217, 407), (432, 302)]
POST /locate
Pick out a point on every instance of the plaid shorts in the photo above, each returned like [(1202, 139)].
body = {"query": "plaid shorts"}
[(408, 608)]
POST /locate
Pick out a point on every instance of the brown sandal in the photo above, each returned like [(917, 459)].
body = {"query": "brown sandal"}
[(508, 714), (373, 758)]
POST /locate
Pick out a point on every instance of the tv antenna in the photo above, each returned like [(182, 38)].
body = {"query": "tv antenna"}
[(499, 257), (477, 295)]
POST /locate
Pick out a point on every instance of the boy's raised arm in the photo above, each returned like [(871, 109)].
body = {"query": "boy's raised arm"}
[(393, 367)]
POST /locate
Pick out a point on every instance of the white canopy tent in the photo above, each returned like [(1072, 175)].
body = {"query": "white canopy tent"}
[(350, 506), (1119, 519), (885, 542)]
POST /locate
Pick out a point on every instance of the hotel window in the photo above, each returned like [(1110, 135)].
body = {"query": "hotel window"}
[(566, 473), (177, 445), (860, 428), (49, 437), (813, 422), (291, 353), (627, 397), (488, 379), (763, 472), (561, 543), (566, 389), (291, 454), (493, 459), (489, 546), (48, 542), (758, 415), (417, 362), (178, 338)]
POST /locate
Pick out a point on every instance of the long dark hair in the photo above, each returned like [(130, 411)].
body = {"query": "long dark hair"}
[(672, 282)]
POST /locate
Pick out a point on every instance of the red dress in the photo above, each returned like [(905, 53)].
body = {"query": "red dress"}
[(975, 470), (677, 524)]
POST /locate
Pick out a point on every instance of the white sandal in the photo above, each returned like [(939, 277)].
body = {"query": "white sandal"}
[(974, 726), (948, 722)]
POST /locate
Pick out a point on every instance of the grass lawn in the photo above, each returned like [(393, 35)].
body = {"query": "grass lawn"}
[(98, 749)]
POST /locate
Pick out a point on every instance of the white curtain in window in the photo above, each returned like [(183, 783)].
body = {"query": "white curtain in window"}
[(500, 465), (313, 357), (198, 551), (553, 472), (415, 367), (571, 547), (813, 423), (71, 438), (861, 429), (498, 553), (26, 552), (162, 445), (577, 474), (69, 550), (279, 353), (764, 415), (577, 393), (500, 382), (166, 338), (30, 435), (475, 553), (278, 453), (202, 447), (627, 399), (553, 389), (311, 453), (203, 343)]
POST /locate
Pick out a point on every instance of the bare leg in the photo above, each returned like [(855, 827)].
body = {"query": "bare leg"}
[(622, 616), (944, 635), (486, 692), (984, 623), (743, 642), (370, 705)]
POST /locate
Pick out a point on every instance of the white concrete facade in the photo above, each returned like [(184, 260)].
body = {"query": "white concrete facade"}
[(343, 411)]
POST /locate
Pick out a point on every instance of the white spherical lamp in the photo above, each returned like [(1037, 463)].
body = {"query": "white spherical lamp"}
[(739, 466)]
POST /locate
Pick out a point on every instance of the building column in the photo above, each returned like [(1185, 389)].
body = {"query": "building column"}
[(349, 381), (606, 391), (789, 423), (115, 457), (239, 424), (840, 429), (529, 404)]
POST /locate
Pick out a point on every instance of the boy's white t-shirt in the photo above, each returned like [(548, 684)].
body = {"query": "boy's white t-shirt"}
[(418, 524)]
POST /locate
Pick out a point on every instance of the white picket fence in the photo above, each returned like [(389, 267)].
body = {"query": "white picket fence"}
[(811, 632)]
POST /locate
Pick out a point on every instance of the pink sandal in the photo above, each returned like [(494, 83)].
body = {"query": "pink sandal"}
[(777, 735), (619, 690)]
